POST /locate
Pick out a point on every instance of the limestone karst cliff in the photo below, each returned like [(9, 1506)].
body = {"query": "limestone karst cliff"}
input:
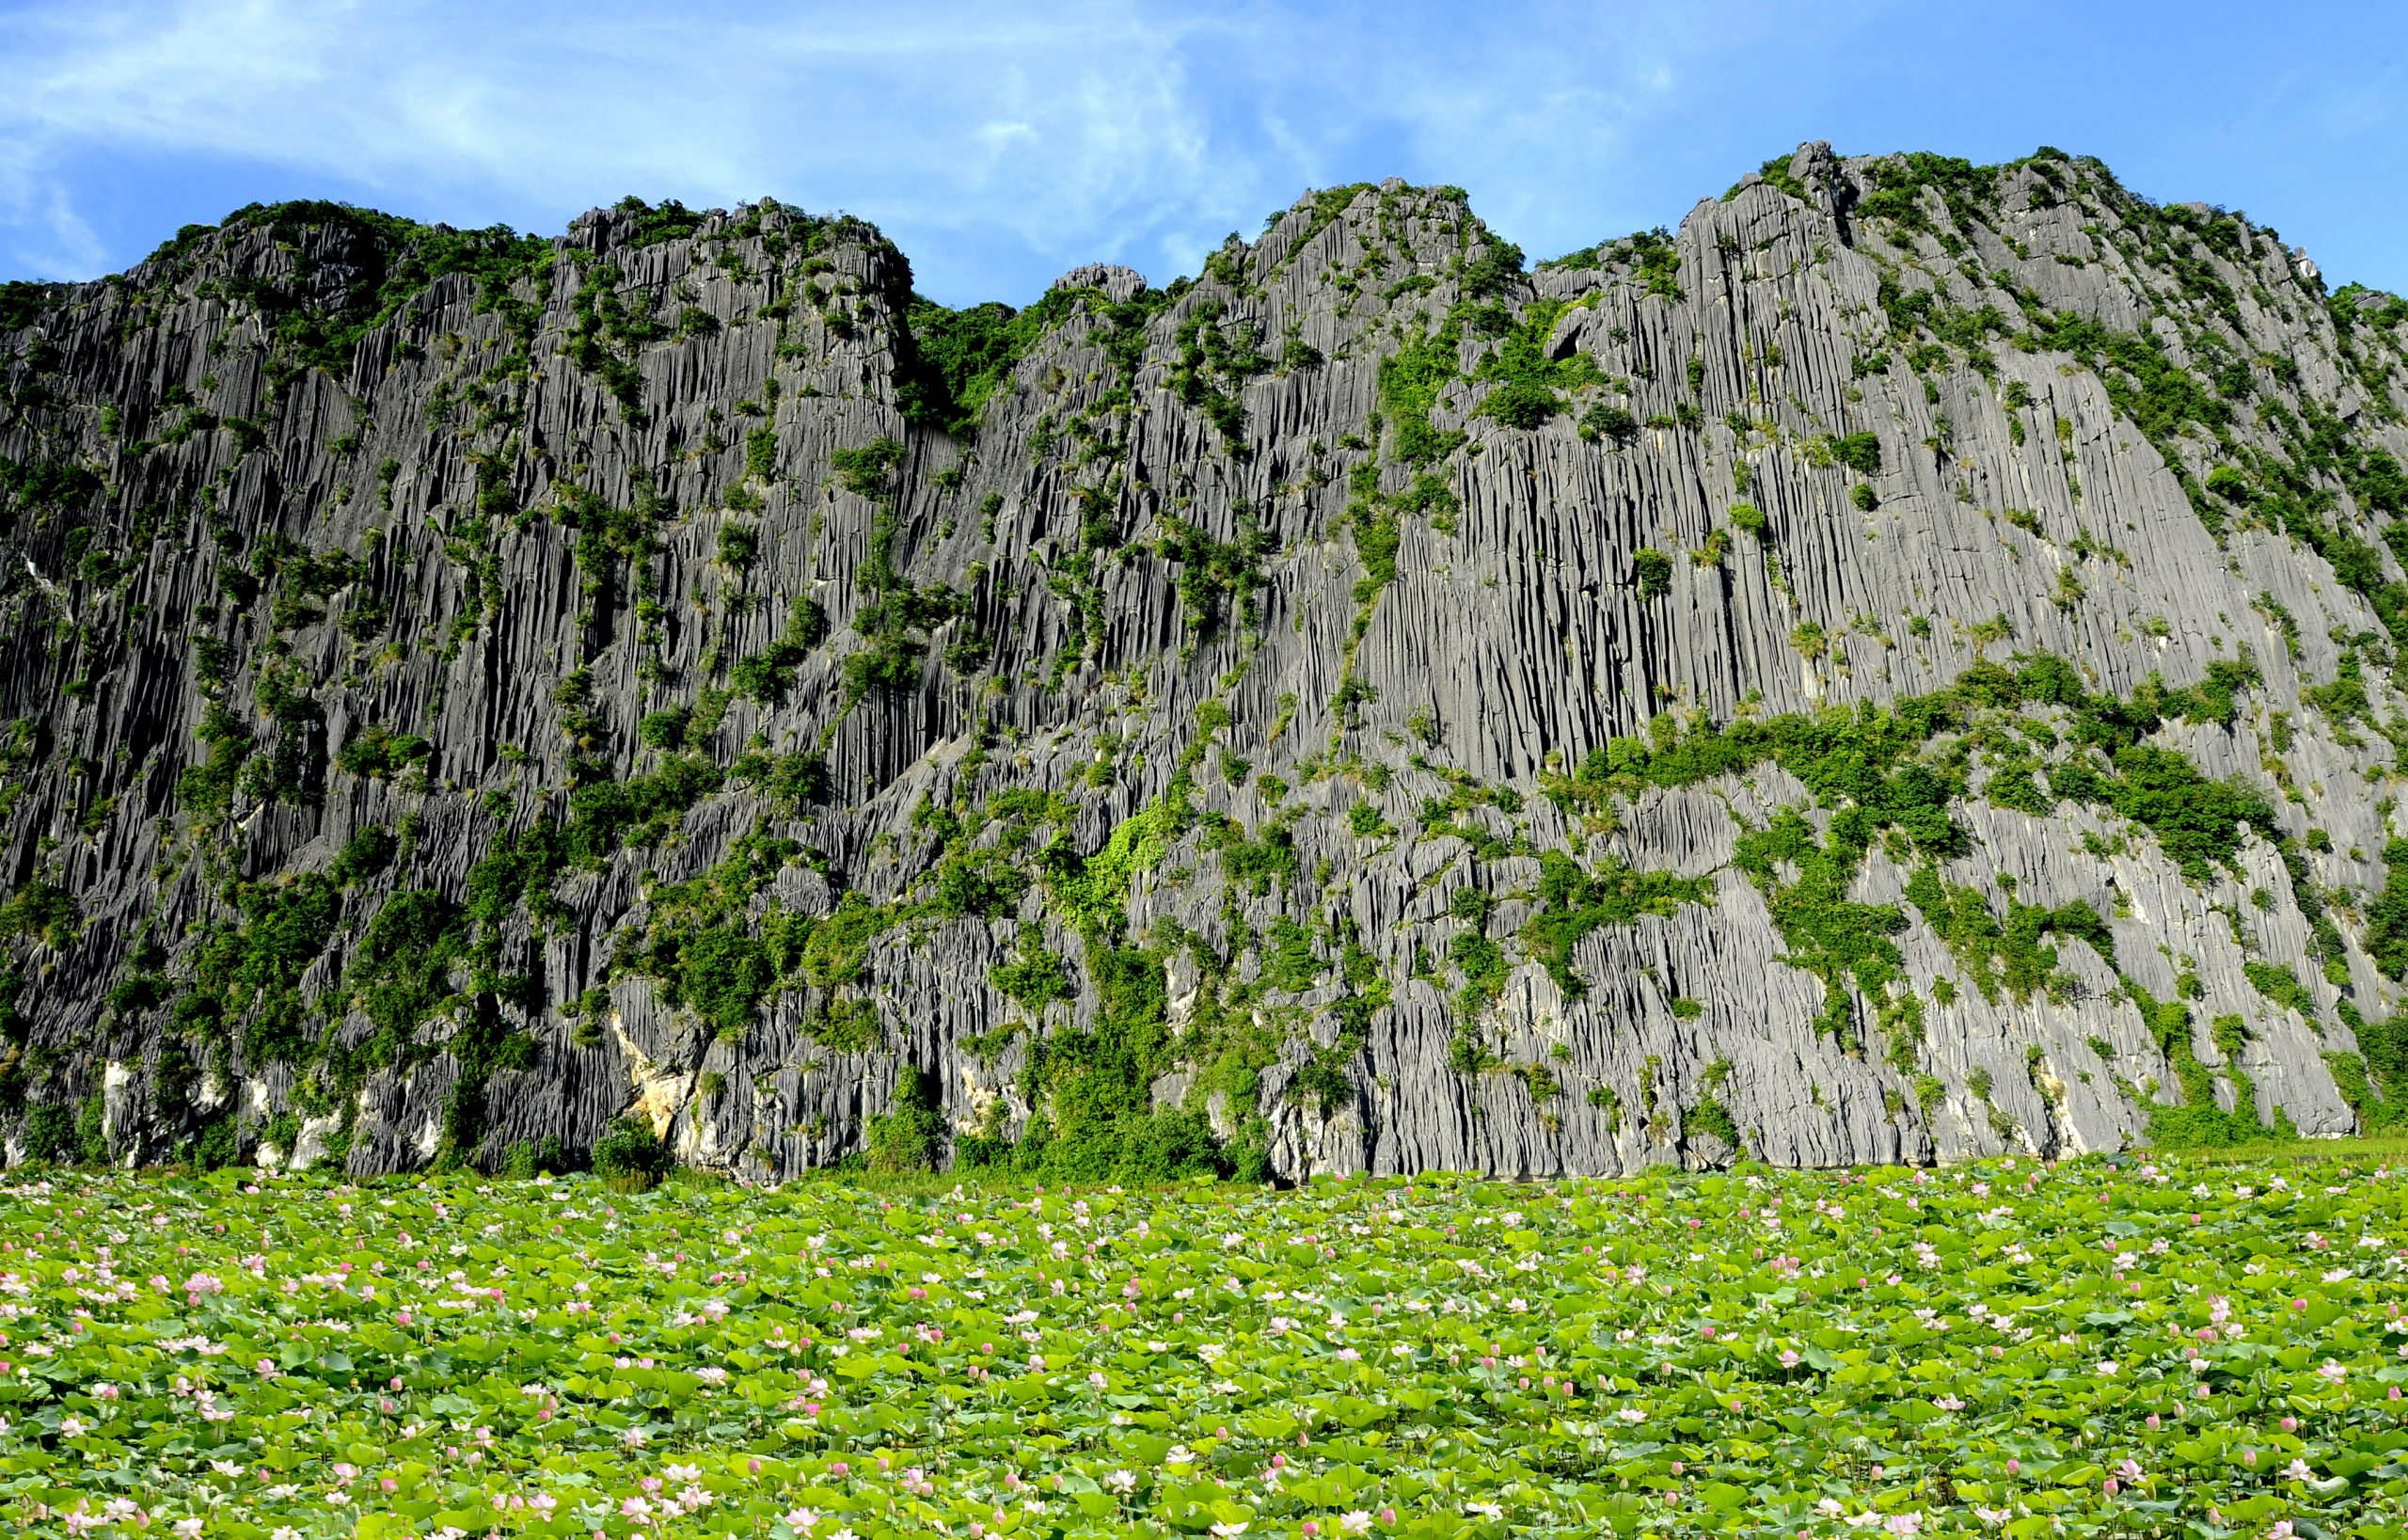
[(1900, 668)]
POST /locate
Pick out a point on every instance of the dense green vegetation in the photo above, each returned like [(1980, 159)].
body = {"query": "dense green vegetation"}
[(393, 261), (1573, 903), (961, 357), (1866, 760), (2084, 1348), (1874, 768)]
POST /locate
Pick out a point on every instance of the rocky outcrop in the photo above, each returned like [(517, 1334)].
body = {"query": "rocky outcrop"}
[(1900, 669)]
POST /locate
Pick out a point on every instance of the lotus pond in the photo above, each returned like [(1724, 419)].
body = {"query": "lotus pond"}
[(2009, 1348)]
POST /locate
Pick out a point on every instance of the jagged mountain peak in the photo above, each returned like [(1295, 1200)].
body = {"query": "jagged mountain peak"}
[(1898, 667)]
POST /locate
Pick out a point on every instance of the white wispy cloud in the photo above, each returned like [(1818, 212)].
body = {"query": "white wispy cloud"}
[(1002, 141), (982, 135)]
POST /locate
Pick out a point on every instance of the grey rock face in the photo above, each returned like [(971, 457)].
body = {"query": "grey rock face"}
[(1118, 284), (619, 678)]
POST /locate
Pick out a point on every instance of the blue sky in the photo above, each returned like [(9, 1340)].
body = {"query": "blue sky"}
[(1001, 144)]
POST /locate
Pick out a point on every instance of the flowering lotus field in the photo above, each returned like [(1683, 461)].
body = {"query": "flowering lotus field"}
[(2010, 1348)]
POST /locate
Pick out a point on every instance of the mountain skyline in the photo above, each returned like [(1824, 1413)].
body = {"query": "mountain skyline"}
[(1003, 145), (1901, 668)]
